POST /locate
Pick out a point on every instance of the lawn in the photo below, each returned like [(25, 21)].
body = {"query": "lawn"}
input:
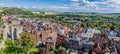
[(33, 50)]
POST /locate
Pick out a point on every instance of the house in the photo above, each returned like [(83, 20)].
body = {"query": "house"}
[(113, 35), (72, 43), (15, 22), (61, 32), (47, 37), (51, 40), (4, 17), (60, 40), (88, 33), (118, 48)]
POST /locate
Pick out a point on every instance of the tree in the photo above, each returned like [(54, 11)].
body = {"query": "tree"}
[(26, 41), (26, 44), (84, 25), (52, 51), (10, 48), (61, 50)]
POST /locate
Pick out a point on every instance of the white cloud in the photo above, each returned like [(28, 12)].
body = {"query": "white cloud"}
[(2, 4), (74, 0), (78, 5), (114, 1), (97, 6)]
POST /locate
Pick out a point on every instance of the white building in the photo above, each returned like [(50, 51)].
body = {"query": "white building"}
[(113, 35), (60, 31), (88, 33), (97, 31)]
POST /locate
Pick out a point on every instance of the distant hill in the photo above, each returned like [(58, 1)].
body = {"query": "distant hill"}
[(90, 13), (13, 10)]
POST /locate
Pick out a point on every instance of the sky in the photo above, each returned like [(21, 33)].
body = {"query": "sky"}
[(102, 6)]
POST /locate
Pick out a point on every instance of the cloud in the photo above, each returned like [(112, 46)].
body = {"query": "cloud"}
[(74, 0), (75, 6), (96, 6), (108, 6), (55, 8), (2, 4)]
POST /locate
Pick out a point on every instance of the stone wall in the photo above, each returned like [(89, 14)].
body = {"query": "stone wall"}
[(5, 31)]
